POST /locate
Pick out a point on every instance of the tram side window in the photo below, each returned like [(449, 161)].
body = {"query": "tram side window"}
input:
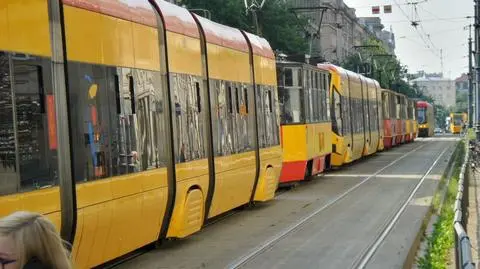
[(188, 121), (271, 123), (336, 113), (346, 117), (36, 149), (409, 110), (373, 115), (353, 113), (414, 111), (393, 106), (366, 112), (385, 106), (307, 90), (28, 146), (398, 107), (231, 122), (221, 123), (118, 127), (325, 97), (357, 115), (8, 169), (291, 98)]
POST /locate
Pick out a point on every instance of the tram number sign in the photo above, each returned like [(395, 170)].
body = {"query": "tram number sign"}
[(376, 9)]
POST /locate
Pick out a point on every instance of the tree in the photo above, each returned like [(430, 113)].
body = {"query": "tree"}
[(277, 22), (441, 113), (373, 60), (461, 104)]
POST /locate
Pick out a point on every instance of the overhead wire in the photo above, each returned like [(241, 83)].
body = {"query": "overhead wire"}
[(420, 34), (451, 19)]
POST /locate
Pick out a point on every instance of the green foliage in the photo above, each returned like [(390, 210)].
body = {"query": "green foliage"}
[(441, 241), (277, 23), (282, 28), (387, 70), (471, 135), (390, 73), (440, 114), (461, 104)]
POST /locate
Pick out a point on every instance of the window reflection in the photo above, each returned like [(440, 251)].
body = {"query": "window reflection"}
[(27, 124), (8, 177), (188, 119), (118, 123), (233, 125)]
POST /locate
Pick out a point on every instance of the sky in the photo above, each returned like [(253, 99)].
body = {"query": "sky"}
[(441, 20)]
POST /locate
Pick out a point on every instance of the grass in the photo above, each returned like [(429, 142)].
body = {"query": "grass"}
[(471, 134), (441, 241)]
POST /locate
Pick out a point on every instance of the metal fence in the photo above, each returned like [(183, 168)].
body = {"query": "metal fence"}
[(462, 241)]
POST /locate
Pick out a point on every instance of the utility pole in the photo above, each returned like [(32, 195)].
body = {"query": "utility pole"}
[(253, 7), (470, 79), (441, 61), (314, 9), (477, 64)]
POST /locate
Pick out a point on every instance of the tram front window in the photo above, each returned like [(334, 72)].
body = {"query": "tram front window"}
[(422, 115), (457, 119)]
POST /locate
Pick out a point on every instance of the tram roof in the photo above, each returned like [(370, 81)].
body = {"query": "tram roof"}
[(260, 46), (178, 19), (222, 35)]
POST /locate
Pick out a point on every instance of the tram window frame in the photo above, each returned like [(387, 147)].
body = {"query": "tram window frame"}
[(306, 93), (199, 96), (237, 101), (245, 96), (229, 99), (270, 101)]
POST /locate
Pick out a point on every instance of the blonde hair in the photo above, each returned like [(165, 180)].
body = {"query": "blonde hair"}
[(35, 236)]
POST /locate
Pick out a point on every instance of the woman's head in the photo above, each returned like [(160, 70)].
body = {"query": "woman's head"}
[(25, 236)]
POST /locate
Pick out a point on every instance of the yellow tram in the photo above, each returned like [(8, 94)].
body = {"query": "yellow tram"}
[(305, 120), (171, 119), (457, 120), (121, 116), (355, 115), (426, 119)]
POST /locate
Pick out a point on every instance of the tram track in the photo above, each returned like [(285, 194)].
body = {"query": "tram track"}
[(268, 244), (370, 251)]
